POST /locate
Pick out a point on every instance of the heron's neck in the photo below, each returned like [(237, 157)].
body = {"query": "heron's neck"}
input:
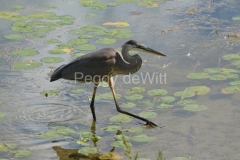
[(126, 56)]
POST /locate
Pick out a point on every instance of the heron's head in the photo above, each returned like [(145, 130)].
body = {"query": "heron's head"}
[(134, 45)]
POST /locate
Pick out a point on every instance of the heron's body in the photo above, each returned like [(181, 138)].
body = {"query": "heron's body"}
[(102, 65)]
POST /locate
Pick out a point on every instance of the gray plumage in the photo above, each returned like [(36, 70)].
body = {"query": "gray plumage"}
[(104, 64)]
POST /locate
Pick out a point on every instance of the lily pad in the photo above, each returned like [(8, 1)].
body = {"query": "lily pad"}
[(14, 36), (8, 14), (52, 60), (134, 129), (184, 94), (49, 134), (148, 3), (1, 102), (86, 47), (234, 83), (199, 90), (164, 106), (52, 41), (77, 31), (146, 114), (179, 158), (18, 7), (236, 18), (47, 6), (106, 40), (22, 153), (120, 144), (50, 93), (186, 101), (92, 15), (168, 99), (198, 75), (135, 90), (64, 22), (41, 15), (76, 55), (77, 90), (25, 52), (94, 28), (112, 128), (36, 23), (126, 1), (45, 29), (88, 150), (147, 103), (194, 107), (28, 64), (77, 41), (142, 138), (22, 28), (134, 97), (212, 70), (36, 35), (231, 90), (57, 51), (157, 92), (2, 115), (236, 62), (232, 76), (66, 17), (218, 77), (116, 24), (128, 105), (231, 57), (122, 118)]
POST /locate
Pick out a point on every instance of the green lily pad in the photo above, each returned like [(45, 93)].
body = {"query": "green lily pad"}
[(94, 28), (120, 33), (134, 97), (45, 29), (19, 19), (218, 77), (168, 99), (199, 90), (126, 1), (25, 52), (77, 31), (232, 76), (41, 15), (56, 51), (52, 41), (22, 28), (212, 70), (3, 147), (66, 17), (186, 101), (64, 22), (18, 7), (86, 47), (146, 114), (231, 90), (22, 153), (77, 90), (8, 14), (86, 36), (142, 138), (120, 137), (92, 15), (184, 94), (148, 3), (94, 4), (157, 92), (180, 158), (36, 35), (198, 75), (77, 41), (106, 40), (49, 134), (147, 103), (231, 57), (52, 60), (50, 93), (36, 23), (112, 128), (65, 132), (1, 102), (88, 150), (236, 62), (164, 106), (128, 105), (113, 4), (134, 129), (236, 18), (229, 71), (14, 36), (47, 6), (135, 90), (26, 65), (76, 55), (234, 83), (194, 107), (2, 115), (122, 118), (120, 144)]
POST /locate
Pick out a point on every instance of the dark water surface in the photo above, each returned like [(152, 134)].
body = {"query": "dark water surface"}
[(192, 42)]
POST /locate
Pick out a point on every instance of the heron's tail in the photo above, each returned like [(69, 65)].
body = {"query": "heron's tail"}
[(57, 74)]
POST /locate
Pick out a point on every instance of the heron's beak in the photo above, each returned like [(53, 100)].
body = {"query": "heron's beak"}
[(149, 50)]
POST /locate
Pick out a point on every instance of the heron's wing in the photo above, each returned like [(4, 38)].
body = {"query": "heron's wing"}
[(98, 63)]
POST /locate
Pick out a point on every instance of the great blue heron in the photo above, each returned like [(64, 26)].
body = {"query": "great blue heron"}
[(102, 65)]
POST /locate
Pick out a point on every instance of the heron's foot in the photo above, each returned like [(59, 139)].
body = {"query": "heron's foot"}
[(151, 124)]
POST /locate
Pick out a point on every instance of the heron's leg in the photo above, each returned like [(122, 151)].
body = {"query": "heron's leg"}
[(111, 85), (93, 98)]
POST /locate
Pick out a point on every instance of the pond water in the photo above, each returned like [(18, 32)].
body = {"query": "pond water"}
[(43, 120)]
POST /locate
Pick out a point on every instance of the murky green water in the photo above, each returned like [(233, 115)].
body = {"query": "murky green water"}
[(194, 35)]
